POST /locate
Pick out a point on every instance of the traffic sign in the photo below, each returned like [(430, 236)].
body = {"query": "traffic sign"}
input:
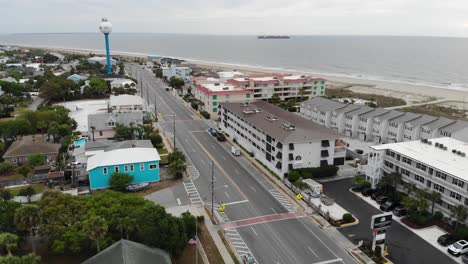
[(221, 208), (299, 196)]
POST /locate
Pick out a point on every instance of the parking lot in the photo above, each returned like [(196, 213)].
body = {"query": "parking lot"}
[(403, 245)]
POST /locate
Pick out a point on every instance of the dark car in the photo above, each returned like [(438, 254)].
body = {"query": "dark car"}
[(388, 206), (399, 211), (368, 192), (376, 194), (381, 199), (213, 131), (447, 239), (220, 136)]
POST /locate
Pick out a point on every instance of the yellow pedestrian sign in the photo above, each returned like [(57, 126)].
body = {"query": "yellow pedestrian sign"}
[(299, 196), (221, 208)]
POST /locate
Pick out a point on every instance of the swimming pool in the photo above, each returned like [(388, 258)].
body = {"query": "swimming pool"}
[(80, 143)]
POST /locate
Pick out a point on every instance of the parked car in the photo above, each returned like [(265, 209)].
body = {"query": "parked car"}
[(458, 248), (388, 206), (447, 239), (376, 194), (381, 199), (399, 211), (235, 151), (220, 136), (213, 131), (248, 259), (368, 191), (465, 258)]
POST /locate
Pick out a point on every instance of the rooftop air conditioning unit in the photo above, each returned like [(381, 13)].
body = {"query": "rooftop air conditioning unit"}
[(463, 154), (225, 88), (454, 151), (288, 126), (437, 144), (445, 148), (216, 84), (459, 153), (272, 118)]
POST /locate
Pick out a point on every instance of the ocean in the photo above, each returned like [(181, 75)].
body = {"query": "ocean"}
[(429, 61)]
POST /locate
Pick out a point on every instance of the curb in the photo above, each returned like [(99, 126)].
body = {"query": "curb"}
[(356, 222)]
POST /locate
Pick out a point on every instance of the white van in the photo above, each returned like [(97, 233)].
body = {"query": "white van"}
[(235, 151)]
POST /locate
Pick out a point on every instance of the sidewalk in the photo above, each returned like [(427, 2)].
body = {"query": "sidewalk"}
[(217, 239), (429, 234)]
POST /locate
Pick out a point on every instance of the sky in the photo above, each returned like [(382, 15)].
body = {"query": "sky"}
[(234, 17)]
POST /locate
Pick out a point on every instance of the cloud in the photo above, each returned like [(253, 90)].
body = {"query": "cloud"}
[(373, 17)]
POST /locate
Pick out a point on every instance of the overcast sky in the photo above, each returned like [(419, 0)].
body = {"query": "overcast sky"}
[(306, 17)]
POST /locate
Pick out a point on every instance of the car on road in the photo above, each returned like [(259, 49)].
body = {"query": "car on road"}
[(382, 199), (458, 248), (388, 206), (220, 136), (248, 259), (399, 211), (213, 131), (368, 192), (446, 239)]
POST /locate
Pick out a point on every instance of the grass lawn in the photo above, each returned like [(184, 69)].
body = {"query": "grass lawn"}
[(38, 187), (188, 256), (209, 245), (162, 151), (154, 187), (380, 100), (11, 176)]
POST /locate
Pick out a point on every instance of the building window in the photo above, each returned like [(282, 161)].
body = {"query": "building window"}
[(215, 103), (132, 167), (406, 160), (439, 188), (247, 95), (455, 195), (153, 166), (126, 168), (458, 182), (116, 169), (142, 166), (215, 97), (100, 133), (104, 170), (419, 178), (421, 166), (291, 146), (441, 175)]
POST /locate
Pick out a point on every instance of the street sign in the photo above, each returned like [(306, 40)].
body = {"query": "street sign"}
[(381, 221), (221, 208), (299, 196)]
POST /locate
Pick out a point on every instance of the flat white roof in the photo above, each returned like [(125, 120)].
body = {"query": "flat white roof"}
[(229, 74), (293, 77), (122, 156), (222, 87), (125, 99), (262, 78), (443, 160)]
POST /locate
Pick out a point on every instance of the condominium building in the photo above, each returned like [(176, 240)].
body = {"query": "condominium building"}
[(286, 86), (281, 140), (212, 93), (378, 124), (439, 164), (181, 72)]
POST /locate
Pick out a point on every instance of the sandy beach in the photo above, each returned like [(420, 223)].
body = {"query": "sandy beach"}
[(408, 92)]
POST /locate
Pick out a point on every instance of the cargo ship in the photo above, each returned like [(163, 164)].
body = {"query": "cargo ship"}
[(273, 37)]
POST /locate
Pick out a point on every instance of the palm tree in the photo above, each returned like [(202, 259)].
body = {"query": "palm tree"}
[(391, 180), (459, 213), (130, 225), (410, 187), (95, 227), (27, 219), (93, 130), (9, 241), (434, 197)]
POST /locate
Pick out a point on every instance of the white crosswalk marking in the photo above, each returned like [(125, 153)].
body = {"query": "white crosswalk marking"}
[(192, 192), (193, 172), (284, 201)]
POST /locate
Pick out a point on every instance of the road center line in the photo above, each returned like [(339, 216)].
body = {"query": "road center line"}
[(227, 195), (313, 252), (236, 202), (253, 230), (253, 188)]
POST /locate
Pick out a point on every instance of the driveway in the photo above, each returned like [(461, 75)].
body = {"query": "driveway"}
[(403, 245)]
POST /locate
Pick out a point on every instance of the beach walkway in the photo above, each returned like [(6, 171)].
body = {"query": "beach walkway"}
[(438, 101)]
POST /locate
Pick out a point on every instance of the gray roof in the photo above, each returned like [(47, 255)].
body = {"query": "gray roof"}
[(375, 112), (108, 145), (32, 144), (324, 104), (439, 123), (361, 110), (99, 120), (404, 118), (459, 125), (389, 115), (129, 252), (424, 119), (305, 130), (347, 108)]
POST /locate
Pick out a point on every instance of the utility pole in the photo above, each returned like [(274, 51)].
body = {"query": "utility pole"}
[(212, 189), (155, 105), (174, 134), (196, 240)]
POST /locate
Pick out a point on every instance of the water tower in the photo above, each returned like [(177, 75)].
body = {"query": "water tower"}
[(106, 28)]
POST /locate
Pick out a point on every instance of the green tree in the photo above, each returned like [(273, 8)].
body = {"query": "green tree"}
[(5, 195), (53, 131), (176, 155), (28, 192), (391, 180), (123, 132), (361, 181), (95, 227), (42, 127), (64, 130), (176, 82), (6, 168), (459, 213), (434, 197), (275, 99), (7, 216), (36, 159), (26, 259), (9, 242), (23, 170), (176, 168), (27, 219), (119, 181), (156, 140)]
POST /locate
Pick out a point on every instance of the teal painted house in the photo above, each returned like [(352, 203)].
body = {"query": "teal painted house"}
[(141, 163)]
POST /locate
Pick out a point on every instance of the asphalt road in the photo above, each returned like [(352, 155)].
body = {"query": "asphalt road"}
[(404, 246), (244, 190)]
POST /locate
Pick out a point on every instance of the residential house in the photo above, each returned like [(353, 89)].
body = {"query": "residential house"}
[(141, 163), (432, 129), (21, 149), (77, 78), (101, 60)]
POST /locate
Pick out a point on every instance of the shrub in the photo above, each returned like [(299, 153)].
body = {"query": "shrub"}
[(156, 140), (348, 218), (378, 252), (300, 184), (205, 114), (194, 105), (119, 181), (293, 176), (438, 215), (462, 232), (318, 172), (6, 167), (186, 97)]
